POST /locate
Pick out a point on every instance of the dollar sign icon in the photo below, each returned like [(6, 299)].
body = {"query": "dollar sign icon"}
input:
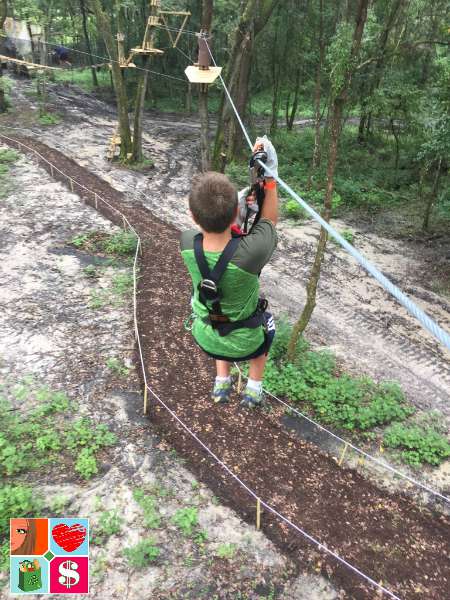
[(68, 576)]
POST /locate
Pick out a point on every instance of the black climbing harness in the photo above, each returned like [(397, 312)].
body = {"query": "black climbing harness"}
[(210, 294)]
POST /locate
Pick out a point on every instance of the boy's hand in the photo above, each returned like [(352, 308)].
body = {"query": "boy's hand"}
[(263, 143)]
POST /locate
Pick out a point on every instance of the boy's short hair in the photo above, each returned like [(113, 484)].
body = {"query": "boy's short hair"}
[(213, 201)]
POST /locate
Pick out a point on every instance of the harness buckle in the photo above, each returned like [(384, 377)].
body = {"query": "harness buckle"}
[(209, 289)]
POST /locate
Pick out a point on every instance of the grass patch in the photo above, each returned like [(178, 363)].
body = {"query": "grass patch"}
[(37, 438), (7, 158), (148, 503), (143, 554), (226, 551), (354, 404), (117, 367), (83, 78), (121, 243), (15, 500), (418, 443), (49, 119), (141, 167), (109, 523), (186, 519)]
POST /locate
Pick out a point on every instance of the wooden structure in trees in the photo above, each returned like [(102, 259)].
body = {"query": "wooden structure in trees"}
[(202, 72), (156, 18), (114, 146), (30, 65), (146, 50), (124, 63)]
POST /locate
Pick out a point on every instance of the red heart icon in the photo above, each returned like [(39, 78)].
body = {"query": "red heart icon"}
[(69, 538)]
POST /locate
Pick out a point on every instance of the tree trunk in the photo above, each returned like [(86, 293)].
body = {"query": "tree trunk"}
[(207, 14), (253, 19), (432, 197), (104, 25), (88, 43), (397, 147), (189, 98), (137, 155), (336, 121), (290, 118), (3, 13), (317, 98)]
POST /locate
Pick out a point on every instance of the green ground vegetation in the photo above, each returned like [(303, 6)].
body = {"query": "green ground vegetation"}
[(36, 431), (359, 406), (7, 158), (47, 118), (31, 439), (121, 243)]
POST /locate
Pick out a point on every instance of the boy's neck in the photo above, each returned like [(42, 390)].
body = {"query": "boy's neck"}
[(216, 242)]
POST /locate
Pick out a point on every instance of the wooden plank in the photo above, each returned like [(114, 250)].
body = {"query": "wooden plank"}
[(181, 13), (196, 75), (28, 64)]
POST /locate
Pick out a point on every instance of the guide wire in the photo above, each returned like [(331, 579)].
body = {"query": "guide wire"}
[(251, 492)]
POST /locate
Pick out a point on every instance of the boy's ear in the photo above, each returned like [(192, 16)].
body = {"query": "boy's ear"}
[(192, 217)]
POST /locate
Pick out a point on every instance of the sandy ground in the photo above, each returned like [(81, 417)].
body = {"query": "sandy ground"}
[(45, 277)]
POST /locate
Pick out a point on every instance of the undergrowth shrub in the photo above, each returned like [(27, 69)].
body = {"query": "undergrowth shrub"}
[(30, 440), (417, 444), (121, 243), (346, 402)]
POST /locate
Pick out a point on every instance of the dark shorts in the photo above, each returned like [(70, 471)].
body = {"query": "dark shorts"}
[(269, 334)]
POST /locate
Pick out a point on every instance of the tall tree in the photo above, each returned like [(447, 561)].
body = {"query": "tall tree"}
[(104, 25), (3, 13), (253, 19), (207, 13), (344, 55), (88, 41)]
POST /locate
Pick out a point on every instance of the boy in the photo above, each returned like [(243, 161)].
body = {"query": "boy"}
[(230, 322)]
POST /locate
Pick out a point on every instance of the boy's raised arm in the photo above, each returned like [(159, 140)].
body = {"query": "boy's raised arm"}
[(270, 206)]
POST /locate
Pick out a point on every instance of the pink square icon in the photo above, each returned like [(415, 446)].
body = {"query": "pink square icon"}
[(69, 575)]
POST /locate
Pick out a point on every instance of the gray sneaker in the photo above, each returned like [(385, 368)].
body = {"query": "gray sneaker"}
[(251, 398), (221, 393)]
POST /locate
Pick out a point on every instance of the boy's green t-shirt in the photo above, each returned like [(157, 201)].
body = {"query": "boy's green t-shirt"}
[(240, 289)]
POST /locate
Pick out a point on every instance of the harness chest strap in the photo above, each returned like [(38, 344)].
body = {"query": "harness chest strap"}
[(208, 288)]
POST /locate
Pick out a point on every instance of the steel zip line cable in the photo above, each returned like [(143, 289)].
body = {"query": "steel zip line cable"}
[(431, 326)]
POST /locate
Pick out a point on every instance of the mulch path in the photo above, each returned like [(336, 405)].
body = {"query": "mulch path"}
[(385, 535)]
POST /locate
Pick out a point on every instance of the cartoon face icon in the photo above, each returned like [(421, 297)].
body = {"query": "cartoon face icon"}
[(23, 536)]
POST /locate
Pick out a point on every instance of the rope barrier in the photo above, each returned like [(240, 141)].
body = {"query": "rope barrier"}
[(348, 444), (440, 334), (251, 492)]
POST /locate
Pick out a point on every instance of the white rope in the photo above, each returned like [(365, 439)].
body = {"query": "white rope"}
[(440, 334), (350, 445), (254, 495)]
